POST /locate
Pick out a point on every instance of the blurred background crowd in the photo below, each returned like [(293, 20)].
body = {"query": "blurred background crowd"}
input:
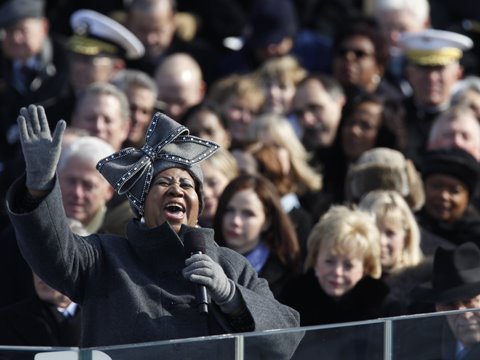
[(350, 134)]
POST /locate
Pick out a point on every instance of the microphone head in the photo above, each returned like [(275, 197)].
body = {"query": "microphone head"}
[(194, 241)]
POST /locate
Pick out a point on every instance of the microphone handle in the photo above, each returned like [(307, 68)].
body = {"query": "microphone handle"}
[(201, 295)]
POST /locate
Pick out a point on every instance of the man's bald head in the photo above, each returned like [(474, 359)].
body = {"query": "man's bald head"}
[(180, 84)]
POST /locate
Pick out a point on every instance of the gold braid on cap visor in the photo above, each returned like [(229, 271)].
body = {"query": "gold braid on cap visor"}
[(89, 46), (438, 57)]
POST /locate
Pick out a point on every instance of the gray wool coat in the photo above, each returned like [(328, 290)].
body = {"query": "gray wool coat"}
[(131, 289)]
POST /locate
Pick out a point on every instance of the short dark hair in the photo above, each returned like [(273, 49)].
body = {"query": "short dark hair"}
[(364, 27), (331, 85)]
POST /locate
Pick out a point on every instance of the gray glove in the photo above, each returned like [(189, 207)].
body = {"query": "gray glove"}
[(40, 149), (201, 269)]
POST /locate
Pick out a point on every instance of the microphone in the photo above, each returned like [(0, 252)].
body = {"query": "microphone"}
[(194, 243)]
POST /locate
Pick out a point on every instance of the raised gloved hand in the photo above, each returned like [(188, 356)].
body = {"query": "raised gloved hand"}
[(40, 149), (201, 269)]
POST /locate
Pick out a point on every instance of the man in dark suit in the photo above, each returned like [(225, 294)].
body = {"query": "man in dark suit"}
[(48, 318), (33, 66), (33, 69), (455, 287)]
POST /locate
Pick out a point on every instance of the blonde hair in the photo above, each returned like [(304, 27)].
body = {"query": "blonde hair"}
[(242, 86), (305, 177), (346, 231), (224, 161), (388, 204), (284, 69)]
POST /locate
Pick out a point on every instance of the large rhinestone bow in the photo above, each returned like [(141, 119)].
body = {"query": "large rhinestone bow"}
[(130, 170)]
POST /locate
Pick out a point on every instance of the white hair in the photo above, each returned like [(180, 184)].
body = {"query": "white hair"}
[(469, 83), (419, 8), (87, 148)]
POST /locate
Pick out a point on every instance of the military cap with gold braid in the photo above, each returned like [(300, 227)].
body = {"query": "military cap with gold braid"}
[(97, 34), (432, 47)]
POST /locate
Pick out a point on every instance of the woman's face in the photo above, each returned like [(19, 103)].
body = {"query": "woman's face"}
[(279, 96), (244, 221), (354, 63), (338, 274), (392, 241), (214, 181), (283, 154), (359, 133), (446, 198), (207, 125), (239, 113), (172, 197)]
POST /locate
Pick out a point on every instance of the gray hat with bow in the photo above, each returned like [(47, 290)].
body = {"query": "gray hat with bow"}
[(167, 145)]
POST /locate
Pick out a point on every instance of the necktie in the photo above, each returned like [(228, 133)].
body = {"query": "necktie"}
[(28, 75), (462, 354)]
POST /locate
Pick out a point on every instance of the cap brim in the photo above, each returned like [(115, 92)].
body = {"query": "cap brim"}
[(104, 27), (426, 293)]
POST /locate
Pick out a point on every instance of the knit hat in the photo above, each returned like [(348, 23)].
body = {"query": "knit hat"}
[(384, 169), (167, 145), (272, 21), (455, 162), (13, 11)]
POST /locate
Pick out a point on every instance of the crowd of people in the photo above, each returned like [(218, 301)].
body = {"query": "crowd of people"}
[(325, 155)]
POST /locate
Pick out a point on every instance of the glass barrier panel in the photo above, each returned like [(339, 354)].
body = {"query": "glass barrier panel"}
[(339, 341), (204, 348), (423, 336), (436, 335)]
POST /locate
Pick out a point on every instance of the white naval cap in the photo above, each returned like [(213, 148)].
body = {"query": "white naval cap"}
[(432, 47), (95, 33)]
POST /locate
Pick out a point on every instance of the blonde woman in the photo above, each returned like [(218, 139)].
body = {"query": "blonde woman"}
[(404, 265), (281, 157), (270, 129), (342, 271), (399, 231)]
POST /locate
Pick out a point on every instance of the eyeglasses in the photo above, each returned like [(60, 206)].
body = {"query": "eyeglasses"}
[(357, 53)]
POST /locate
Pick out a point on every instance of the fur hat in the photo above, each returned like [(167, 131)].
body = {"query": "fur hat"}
[(385, 169)]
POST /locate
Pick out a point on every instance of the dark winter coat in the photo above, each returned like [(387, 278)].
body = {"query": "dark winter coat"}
[(367, 300), (33, 322), (131, 289)]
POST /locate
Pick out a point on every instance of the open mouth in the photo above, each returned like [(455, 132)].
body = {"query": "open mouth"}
[(174, 210)]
